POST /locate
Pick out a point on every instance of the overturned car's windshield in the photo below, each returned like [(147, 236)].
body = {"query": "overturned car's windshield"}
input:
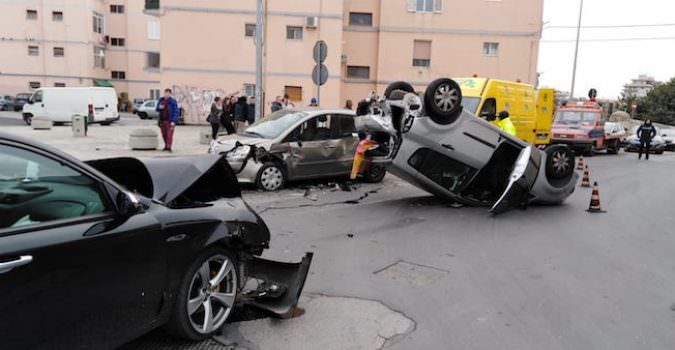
[(471, 104), (585, 118), (275, 124)]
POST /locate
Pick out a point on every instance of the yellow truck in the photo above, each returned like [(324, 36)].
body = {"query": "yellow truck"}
[(530, 110)]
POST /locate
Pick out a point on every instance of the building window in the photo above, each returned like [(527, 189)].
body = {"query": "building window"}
[(57, 16), (31, 14), (116, 41), (294, 33), (33, 51), (154, 94), (99, 57), (34, 85), (422, 53), (294, 92), (116, 8), (249, 90), (425, 6), (59, 84), (360, 72), (152, 60), (97, 20), (490, 49), (249, 30), (153, 30), (59, 52), (119, 75), (360, 19)]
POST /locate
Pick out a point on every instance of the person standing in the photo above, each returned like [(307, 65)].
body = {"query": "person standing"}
[(251, 110), (278, 104), (645, 133), (215, 117), (240, 114), (226, 117), (349, 105), (168, 117), (506, 124), (313, 102)]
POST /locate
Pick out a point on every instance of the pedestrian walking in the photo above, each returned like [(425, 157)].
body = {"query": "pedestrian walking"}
[(349, 105), (240, 114), (168, 117), (251, 110), (645, 133), (215, 117), (277, 104)]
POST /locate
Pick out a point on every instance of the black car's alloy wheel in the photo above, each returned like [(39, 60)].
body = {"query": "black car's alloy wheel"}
[(206, 297), (443, 101)]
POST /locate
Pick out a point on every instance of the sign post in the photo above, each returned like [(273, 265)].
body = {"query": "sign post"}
[(320, 71)]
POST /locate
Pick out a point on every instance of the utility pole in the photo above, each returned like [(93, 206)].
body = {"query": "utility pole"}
[(259, 59), (576, 50)]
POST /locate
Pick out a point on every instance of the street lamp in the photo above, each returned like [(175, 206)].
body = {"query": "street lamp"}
[(576, 50)]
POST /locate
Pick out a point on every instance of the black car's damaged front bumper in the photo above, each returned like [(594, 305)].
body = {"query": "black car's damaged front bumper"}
[(274, 287)]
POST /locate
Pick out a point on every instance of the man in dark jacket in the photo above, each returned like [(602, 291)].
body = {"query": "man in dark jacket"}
[(645, 133), (251, 110), (240, 114), (168, 117)]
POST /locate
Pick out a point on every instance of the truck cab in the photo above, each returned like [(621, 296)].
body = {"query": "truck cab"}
[(582, 127)]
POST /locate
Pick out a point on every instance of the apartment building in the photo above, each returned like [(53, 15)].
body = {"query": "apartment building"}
[(79, 43)]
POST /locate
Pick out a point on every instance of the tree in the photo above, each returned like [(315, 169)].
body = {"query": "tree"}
[(659, 105)]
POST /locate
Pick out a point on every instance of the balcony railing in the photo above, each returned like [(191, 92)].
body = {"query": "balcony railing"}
[(152, 4)]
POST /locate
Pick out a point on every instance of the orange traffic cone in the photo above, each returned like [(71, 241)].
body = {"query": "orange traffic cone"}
[(594, 207), (586, 181), (580, 165)]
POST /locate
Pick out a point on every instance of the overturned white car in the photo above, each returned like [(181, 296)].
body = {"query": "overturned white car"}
[(432, 143)]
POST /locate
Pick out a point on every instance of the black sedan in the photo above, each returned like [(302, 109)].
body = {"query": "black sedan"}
[(94, 255)]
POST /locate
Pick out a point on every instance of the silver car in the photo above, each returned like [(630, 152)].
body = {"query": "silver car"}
[(293, 145), (451, 153), (147, 110)]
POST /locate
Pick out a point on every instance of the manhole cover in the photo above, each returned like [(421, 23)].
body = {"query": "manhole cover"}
[(415, 274)]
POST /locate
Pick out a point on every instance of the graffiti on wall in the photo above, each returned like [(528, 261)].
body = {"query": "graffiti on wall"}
[(196, 102)]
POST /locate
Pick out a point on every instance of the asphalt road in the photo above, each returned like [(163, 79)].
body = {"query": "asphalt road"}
[(543, 278)]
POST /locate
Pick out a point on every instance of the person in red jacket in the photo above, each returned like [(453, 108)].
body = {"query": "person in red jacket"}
[(168, 117)]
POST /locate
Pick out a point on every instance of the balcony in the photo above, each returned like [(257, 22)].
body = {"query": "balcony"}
[(151, 7)]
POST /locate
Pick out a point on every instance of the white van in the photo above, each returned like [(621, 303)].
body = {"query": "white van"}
[(59, 104)]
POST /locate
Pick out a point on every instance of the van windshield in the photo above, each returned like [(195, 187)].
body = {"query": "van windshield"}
[(576, 118), (471, 104)]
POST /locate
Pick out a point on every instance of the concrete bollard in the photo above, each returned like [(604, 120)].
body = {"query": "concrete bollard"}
[(143, 139), (205, 137), (41, 124)]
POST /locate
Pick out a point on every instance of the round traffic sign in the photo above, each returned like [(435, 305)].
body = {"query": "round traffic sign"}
[(320, 51), (320, 74)]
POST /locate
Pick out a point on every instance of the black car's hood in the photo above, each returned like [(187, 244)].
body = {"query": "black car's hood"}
[(197, 179)]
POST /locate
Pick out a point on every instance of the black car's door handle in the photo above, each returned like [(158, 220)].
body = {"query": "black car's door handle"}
[(11, 265)]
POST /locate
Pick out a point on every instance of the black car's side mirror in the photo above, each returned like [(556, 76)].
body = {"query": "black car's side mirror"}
[(127, 204)]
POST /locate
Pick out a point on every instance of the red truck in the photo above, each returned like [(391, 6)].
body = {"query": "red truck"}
[(582, 127)]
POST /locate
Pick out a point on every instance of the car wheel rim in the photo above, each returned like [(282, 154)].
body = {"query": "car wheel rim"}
[(271, 178), (446, 98), (212, 294), (375, 172), (560, 163)]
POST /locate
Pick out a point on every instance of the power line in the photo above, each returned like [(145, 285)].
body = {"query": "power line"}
[(610, 39), (614, 26)]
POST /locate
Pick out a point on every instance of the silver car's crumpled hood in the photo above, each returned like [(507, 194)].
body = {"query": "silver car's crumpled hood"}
[(229, 142)]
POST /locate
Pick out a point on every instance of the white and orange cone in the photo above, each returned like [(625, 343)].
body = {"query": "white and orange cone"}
[(586, 181), (580, 165), (595, 207)]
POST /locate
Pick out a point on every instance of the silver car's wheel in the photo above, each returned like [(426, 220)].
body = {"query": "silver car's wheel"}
[(561, 162), (443, 101), (271, 177), (211, 294), (446, 97)]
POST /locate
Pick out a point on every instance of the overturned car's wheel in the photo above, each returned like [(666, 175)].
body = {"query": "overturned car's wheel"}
[(375, 174), (443, 101), (271, 177), (559, 162), (206, 296), (398, 85)]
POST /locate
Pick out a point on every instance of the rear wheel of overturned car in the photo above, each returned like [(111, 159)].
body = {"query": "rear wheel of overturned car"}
[(206, 296), (375, 174), (271, 177), (443, 101), (398, 85), (559, 162)]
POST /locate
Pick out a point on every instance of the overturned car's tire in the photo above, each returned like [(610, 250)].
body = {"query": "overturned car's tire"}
[(443, 101), (559, 163), (375, 174), (398, 85)]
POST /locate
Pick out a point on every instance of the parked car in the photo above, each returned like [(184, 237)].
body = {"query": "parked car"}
[(668, 136), (293, 145), (138, 102), (60, 104), (96, 254), (657, 146), (147, 110), (20, 100), (441, 148), (6, 102)]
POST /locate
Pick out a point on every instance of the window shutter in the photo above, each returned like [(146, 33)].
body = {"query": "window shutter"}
[(438, 6), (412, 5)]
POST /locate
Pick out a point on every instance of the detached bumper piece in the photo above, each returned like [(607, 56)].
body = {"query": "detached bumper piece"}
[(279, 285)]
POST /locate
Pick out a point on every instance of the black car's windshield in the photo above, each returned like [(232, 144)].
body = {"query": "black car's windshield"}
[(275, 124), (576, 118), (471, 104)]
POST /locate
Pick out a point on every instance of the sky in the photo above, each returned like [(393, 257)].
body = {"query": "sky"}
[(603, 64)]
